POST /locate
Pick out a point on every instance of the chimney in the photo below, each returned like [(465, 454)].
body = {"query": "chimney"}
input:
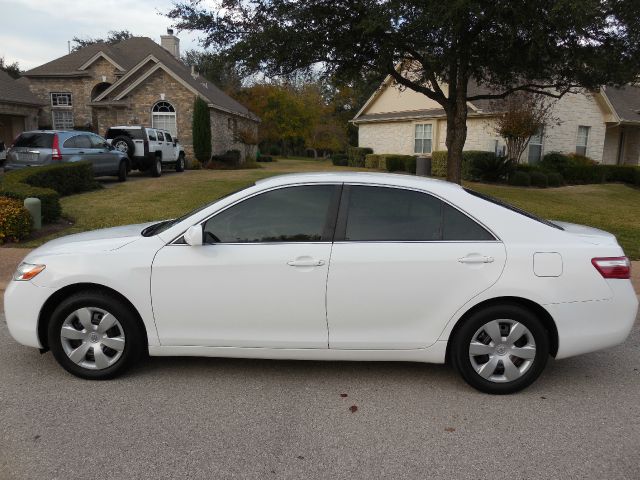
[(171, 43)]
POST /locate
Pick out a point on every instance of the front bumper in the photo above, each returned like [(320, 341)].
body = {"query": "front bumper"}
[(23, 302), (585, 327)]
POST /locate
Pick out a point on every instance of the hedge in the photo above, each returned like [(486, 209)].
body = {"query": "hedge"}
[(469, 158), (340, 159), (15, 220), (49, 183), (372, 160), (230, 158), (356, 156)]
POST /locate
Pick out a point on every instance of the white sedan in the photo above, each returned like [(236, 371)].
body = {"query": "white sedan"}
[(353, 266)]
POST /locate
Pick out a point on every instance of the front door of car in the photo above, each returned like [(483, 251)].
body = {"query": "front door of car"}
[(259, 279), (402, 264), (105, 161)]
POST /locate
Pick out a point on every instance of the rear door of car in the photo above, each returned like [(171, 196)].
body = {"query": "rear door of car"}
[(78, 148), (171, 150), (403, 262), (154, 145)]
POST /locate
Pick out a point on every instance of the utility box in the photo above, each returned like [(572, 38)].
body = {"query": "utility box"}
[(35, 209), (423, 166)]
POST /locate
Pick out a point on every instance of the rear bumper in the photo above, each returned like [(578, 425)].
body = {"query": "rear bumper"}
[(22, 304), (585, 327)]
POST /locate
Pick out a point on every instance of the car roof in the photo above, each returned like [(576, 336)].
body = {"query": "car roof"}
[(59, 132), (394, 179)]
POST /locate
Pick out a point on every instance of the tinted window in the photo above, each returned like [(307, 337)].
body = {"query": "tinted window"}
[(160, 136), (97, 142), (152, 135), (35, 140), (78, 141), (294, 214), (392, 214), (168, 137), (135, 133)]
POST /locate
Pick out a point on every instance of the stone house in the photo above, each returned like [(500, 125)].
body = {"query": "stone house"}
[(18, 108), (136, 82), (604, 125)]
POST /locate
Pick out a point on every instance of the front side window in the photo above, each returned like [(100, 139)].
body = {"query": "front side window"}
[(160, 136), (61, 99), (423, 138), (292, 214), (393, 214), (168, 137), (583, 140), (62, 119), (97, 141), (535, 148)]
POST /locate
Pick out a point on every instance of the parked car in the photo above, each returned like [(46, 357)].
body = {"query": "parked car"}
[(149, 149), (3, 152), (349, 266), (46, 147)]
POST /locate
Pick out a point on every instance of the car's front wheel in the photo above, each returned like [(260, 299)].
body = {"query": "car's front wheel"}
[(94, 335), (500, 349), (180, 163)]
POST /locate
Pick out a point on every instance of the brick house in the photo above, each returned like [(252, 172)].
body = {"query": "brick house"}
[(604, 125), (136, 81), (18, 108)]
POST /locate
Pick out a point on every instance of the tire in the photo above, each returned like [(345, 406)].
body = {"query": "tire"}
[(493, 372), (122, 171), (124, 144), (180, 163), (156, 168), (81, 316)]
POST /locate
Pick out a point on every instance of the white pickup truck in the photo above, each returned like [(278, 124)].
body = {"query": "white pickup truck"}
[(148, 148)]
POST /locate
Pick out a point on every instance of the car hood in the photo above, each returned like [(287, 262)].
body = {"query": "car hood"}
[(102, 240), (590, 234)]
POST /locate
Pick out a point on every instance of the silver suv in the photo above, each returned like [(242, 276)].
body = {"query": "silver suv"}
[(47, 147), (148, 148)]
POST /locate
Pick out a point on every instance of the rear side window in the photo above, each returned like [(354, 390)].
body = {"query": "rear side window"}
[(35, 140), (135, 133), (152, 135), (393, 214), (78, 141)]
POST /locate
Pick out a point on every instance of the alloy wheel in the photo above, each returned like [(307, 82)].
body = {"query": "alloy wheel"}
[(121, 147), (502, 350), (92, 338)]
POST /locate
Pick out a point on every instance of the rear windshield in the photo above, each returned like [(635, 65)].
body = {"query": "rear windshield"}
[(35, 140), (135, 133), (502, 204)]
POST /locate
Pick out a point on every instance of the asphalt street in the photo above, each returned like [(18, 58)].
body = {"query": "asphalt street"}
[(253, 419)]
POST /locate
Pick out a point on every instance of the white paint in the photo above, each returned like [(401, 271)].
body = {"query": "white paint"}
[(547, 264)]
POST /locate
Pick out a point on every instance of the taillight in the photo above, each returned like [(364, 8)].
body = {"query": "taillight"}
[(55, 148), (613, 267)]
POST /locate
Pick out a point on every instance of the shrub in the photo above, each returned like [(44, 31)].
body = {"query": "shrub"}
[(398, 163), (201, 130), (372, 160), (555, 179), (488, 167), (555, 162), (439, 163), (265, 158), (231, 159), (15, 221), (48, 183), (584, 174), (539, 179), (339, 159), (274, 150), (520, 179), (576, 159), (356, 156)]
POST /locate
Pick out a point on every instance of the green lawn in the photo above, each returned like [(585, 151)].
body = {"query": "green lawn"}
[(612, 207)]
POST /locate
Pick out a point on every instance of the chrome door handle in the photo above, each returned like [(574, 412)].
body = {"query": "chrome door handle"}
[(305, 263), (476, 259)]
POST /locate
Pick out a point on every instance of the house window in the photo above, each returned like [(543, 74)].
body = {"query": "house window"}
[(61, 99), (232, 124), (163, 116), (583, 140), (535, 148), (62, 119), (423, 138)]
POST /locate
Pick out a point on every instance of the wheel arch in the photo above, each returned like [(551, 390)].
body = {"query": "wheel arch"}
[(545, 317), (59, 295)]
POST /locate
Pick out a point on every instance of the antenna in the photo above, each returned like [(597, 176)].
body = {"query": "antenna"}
[(69, 46)]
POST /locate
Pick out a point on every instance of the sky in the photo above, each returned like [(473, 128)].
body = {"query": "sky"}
[(33, 32)]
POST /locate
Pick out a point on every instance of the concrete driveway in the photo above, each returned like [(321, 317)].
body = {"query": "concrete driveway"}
[(215, 418)]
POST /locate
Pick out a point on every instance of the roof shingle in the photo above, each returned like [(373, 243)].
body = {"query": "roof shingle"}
[(16, 91)]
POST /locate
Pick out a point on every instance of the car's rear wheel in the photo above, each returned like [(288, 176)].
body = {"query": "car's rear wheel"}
[(123, 144), (156, 168), (500, 349), (94, 335), (122, 171), (180, 164)]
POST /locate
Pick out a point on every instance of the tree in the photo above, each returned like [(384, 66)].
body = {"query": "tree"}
[(218, 69), (525, 114), (13, 69), (433, 47), (113, 37), (201, 125)]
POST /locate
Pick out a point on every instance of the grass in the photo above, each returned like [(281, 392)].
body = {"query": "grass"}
[(611, 207)]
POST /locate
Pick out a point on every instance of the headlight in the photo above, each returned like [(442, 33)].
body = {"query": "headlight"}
[(26, 271)]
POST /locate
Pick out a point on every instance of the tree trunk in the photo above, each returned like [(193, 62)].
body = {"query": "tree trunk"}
[(456, 135)]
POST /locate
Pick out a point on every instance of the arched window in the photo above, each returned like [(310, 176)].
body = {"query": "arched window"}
[(163, 116), (98, 89)]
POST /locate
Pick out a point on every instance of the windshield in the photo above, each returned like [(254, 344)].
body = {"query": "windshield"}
[(164, 225), (508, 206)]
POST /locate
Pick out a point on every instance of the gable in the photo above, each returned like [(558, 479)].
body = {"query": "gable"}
[(393, 99)]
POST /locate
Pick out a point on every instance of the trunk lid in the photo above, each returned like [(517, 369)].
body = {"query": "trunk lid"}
[(590, 234)]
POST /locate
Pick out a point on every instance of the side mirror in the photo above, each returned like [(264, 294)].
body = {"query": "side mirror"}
[(193, 236)]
